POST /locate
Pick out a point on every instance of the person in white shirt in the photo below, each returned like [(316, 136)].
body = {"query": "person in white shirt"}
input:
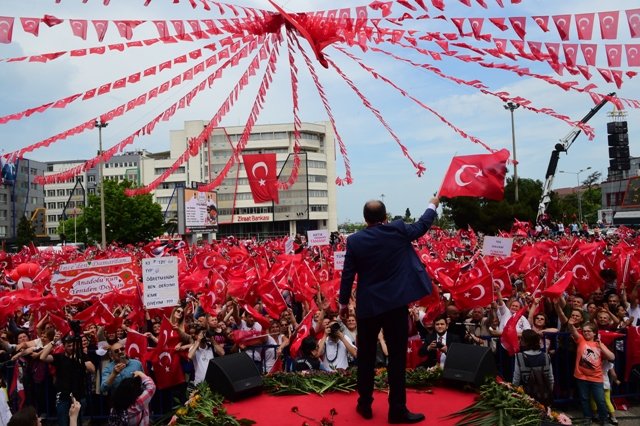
[(335, 348), (203, 350)]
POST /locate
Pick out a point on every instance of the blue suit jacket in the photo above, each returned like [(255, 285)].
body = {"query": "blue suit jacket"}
[(389, 271)]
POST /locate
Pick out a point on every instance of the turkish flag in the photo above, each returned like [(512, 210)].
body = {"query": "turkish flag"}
[(6, 29), (413, 348), (609, 24), (589, 51), (263, 180), (271, 297), (79, 28), (136, 347), (473, 291), (584, 22), (633, 53), (509, 338), (585, 277), (563, 24), (476, 176), (167, 369), (559, 286), (260, 319), (305, 328), (614, 55), (433, 303), (633, 350), (633, 19), (60, 324)]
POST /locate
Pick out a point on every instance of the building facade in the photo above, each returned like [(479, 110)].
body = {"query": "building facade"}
[(308, 204), (22, 198)]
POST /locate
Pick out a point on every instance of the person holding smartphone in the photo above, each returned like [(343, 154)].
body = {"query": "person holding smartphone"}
[(588, 370)]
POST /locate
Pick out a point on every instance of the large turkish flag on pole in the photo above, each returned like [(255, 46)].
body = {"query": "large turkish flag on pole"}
[(261, 172), (476, 176)]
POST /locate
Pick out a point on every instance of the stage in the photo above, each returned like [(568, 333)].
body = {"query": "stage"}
[(265, 409)]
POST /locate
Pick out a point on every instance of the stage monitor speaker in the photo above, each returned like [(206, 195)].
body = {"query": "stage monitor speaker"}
[(235, 376), (614, 127), (619, 139), (469, 363)]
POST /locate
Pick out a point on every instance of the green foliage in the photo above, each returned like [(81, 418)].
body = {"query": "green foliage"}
[(351, 227), (491, 216), (25, 233), (128, 220)]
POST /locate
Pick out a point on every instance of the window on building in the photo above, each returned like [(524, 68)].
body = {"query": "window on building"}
[(34, 200), (3, 231), (51, 218), (60, 205), (3, 214), (92, 178), (52, 231)]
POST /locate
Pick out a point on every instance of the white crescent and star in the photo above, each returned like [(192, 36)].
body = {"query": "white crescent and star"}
[(458, 175), (260, 165), (167, 355), (500, 283), (482, 292), (575, 274)]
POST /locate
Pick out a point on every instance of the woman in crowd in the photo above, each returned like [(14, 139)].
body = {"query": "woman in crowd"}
[(588, 368), (131, 400), (533, 368)]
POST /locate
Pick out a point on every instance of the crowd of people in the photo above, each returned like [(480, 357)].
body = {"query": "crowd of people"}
[(51, 370)]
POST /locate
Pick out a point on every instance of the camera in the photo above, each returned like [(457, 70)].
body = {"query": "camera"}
[(439, 345), (75, 327), (335, 328)]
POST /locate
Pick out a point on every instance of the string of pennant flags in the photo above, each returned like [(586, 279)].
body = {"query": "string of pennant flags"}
[(222, 42)]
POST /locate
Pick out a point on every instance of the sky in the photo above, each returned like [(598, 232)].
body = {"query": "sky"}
[(379, 168)]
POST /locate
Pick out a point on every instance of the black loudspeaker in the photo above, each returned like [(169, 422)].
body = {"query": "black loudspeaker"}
[(620, 164), (235, 376), (619, 152), (618, 139), (617, 127), (469, 364)]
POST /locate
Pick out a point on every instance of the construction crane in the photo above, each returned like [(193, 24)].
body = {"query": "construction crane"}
[(563, 146)]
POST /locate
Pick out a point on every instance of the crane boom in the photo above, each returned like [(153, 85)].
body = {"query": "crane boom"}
[(563, 146)]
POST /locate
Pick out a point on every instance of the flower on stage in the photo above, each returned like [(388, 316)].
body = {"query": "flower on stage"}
[(500, 402)]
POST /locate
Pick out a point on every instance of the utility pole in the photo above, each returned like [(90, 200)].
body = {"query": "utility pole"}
[(103, 228), (512, 106)]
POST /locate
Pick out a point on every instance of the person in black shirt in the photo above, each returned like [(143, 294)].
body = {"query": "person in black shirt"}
[(310, 359), (71, 366)]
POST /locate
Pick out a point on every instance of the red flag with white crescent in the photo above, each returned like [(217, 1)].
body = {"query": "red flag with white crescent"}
[(476, 176), (262, 176)]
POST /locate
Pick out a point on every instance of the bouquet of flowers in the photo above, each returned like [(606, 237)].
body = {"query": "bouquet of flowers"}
[(205, 408), (501, 403)]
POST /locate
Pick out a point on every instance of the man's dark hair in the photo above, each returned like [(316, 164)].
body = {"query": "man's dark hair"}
[(374, 211), (126, 393), (307, 346), (27, 416), (530, 341)]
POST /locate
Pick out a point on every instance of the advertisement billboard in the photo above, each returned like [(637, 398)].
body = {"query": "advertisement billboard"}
[(197, 211)]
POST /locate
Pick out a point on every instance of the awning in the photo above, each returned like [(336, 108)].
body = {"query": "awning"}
[(630, 217)]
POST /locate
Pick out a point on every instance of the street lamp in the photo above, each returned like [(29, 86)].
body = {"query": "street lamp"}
[(579, 193), (512, 106), (100, 125)]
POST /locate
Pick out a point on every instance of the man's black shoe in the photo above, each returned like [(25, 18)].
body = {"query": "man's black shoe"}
[(365, 412), (405, 418)]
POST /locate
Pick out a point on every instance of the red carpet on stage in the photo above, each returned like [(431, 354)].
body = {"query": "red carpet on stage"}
[(266, 409)]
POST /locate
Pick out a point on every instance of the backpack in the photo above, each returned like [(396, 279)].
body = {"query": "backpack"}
[(534, 380)]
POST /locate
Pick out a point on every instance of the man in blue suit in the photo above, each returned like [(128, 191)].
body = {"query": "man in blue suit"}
[(390, 276)]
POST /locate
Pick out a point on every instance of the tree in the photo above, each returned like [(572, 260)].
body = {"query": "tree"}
[(128, 220), (407, 216), (25, 233), (491, 216)]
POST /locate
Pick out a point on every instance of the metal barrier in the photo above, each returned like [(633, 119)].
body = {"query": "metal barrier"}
[(164, 401), (562, 349)]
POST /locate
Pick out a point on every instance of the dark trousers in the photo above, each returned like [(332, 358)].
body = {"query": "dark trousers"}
[(394, 324)]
